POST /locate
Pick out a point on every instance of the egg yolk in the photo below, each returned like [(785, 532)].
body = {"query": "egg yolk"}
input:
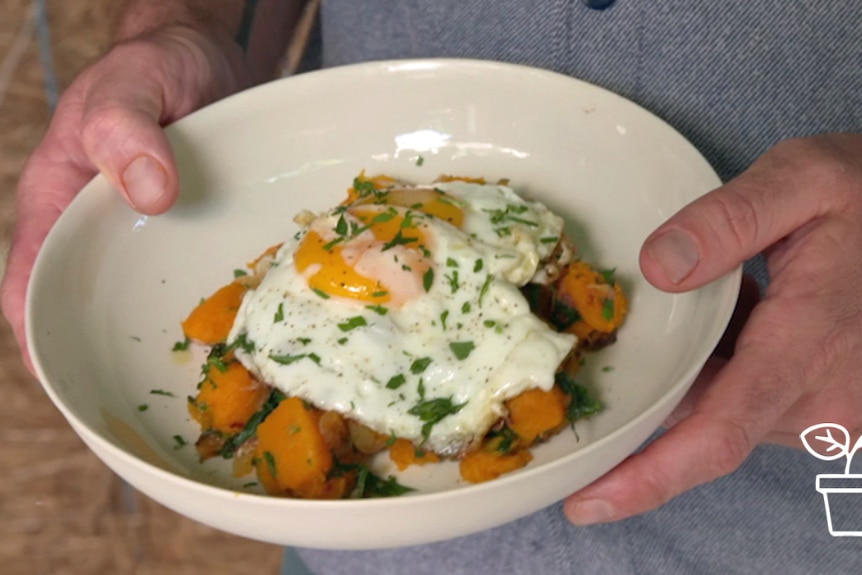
[(333, 275), (382, 258), (426, 200)]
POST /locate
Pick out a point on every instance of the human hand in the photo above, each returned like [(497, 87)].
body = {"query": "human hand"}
[(797, 360), (109, 120)]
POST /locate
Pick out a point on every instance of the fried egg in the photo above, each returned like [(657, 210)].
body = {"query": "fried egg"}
[(401, 309)]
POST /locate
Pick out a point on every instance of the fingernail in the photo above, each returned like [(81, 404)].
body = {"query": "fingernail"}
[(590, 511), (676, 254), (144, 181)]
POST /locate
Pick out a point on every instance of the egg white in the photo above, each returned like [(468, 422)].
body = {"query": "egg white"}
[(466, 343)]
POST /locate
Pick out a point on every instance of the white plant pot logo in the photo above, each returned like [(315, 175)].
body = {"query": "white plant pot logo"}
[(845, 489)]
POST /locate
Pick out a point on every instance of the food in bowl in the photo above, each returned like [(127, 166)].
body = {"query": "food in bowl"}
[(441, 321)]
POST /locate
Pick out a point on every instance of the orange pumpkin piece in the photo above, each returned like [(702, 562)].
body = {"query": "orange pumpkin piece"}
[(210, 322), (292, 456), (536, 412), (601, 305), (404, 454), (487, 464), (227, 399)]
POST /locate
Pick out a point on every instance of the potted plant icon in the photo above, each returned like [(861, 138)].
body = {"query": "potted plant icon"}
[(845, 490)]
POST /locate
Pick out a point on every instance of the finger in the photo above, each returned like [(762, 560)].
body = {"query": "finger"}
[(58, 178), (715, 233), (749, 296), (693, 396), (736, 412), (122, 137)]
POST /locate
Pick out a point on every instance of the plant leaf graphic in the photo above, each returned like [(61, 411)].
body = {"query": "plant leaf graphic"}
[(828, 447)]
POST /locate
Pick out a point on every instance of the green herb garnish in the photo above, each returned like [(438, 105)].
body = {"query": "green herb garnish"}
[(420, 365), (462, 349), (433, 411), (289, 359), (581, 404), (396, 381), (378, 309), (608, 309), (250, 429), (353, 323), (182, 345)]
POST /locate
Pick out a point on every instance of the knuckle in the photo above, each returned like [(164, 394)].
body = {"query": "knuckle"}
[(730, 448), (735, 218), (102, 124), (824, 163)]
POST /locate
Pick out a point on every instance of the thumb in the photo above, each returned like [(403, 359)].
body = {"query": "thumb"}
[(720, 230), (122, 137)]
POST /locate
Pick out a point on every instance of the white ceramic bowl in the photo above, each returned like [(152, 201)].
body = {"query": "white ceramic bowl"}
[(110, 286)]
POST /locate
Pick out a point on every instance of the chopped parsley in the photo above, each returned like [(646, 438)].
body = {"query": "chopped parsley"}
[(443, 315), (562, 315), (396, 381), (143, 407), (364, 187), (581, 404), (232, 444), (279, 314), (320, 293), (608, 309), (428, 279), (477, 267), (341, 225), (182, 345), (419, 161), (353, 323), (269, 459), (485, 287), (369, 485), (179, 442), (378, 309), (433, 411), (289, 359), (462, 349), (161, 392), (238, 273), (420, 365), (453, 281), (511, 214), (398, 240), (242, 342)]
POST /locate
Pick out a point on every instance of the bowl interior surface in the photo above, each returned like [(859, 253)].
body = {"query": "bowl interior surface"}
[(111, 286)]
